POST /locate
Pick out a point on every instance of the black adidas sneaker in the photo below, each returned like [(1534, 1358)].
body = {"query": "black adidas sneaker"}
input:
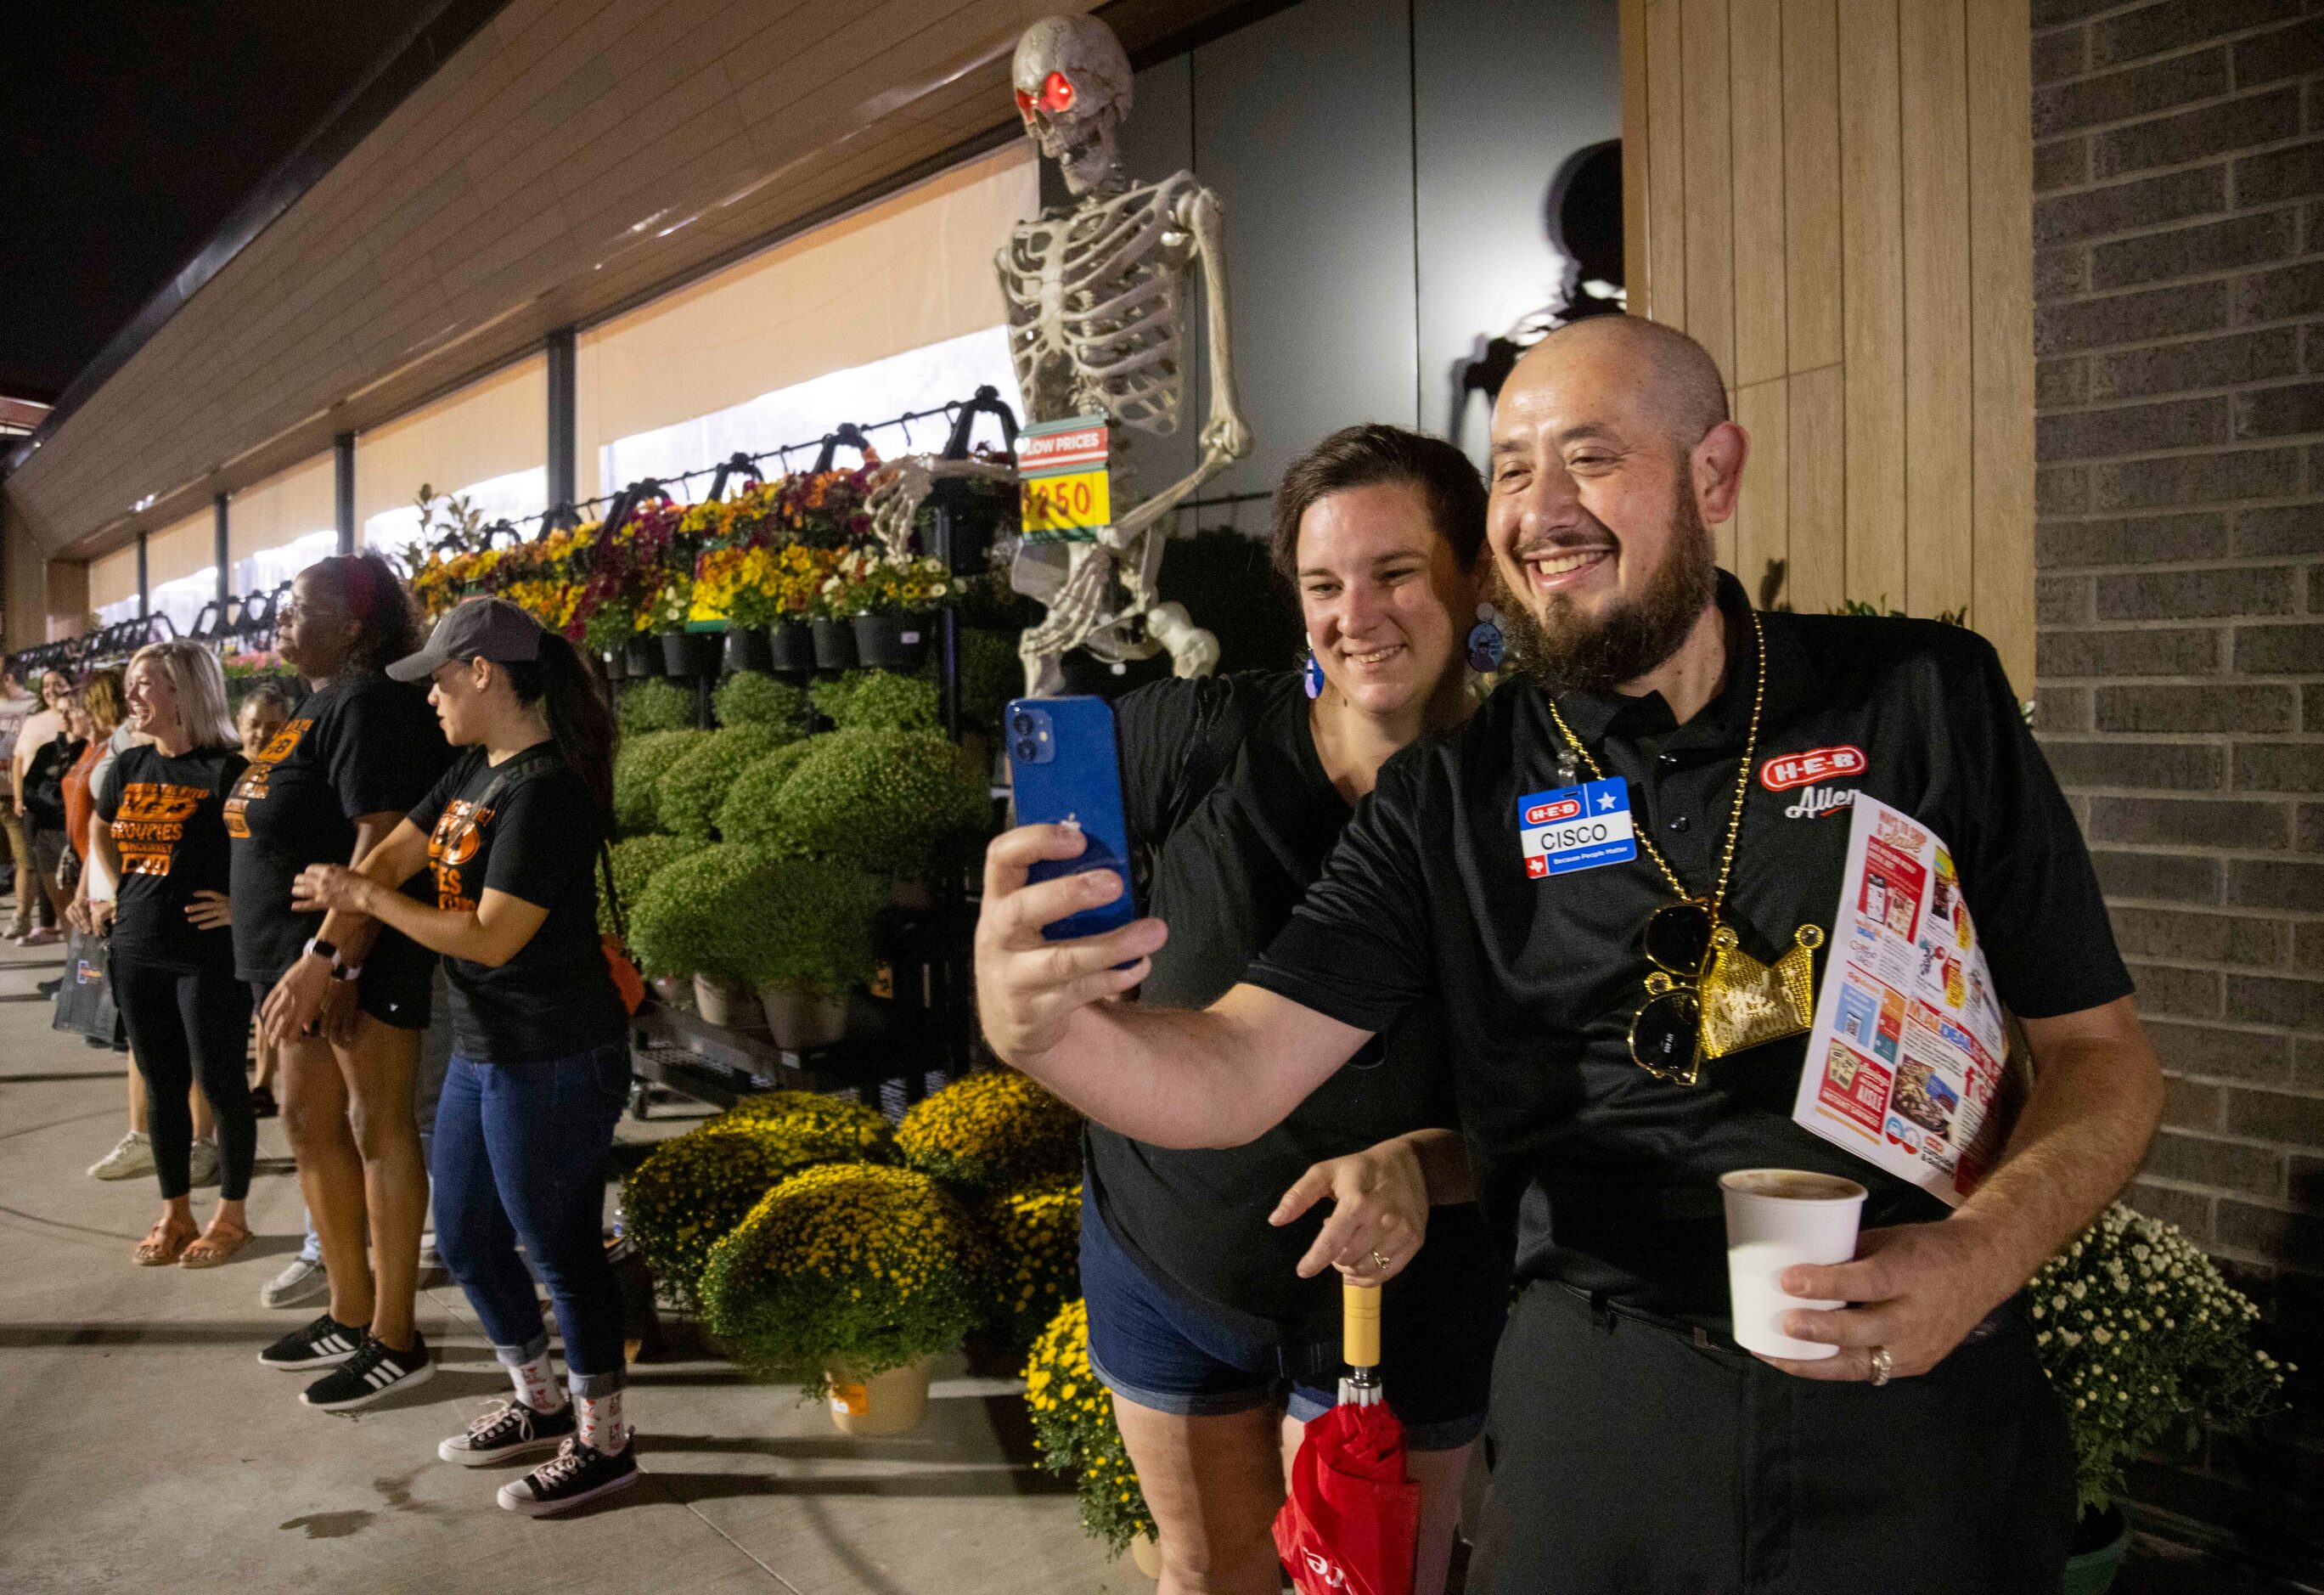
[(320, 1344), (577, 1474), (510, 1432), (373, 1373)]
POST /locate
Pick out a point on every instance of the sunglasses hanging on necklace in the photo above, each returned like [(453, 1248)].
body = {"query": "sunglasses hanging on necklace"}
[(1707, 997)]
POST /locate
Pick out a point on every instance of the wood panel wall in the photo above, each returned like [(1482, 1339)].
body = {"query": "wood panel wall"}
[(1835, 199)]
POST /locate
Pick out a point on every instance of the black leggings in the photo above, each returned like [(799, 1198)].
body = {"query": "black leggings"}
[(183, 1026)]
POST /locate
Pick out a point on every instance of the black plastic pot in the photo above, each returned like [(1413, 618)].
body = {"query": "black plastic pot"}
[(616, 663), (835, 644), (643, 657), (745, 651), (894, 642), (689, 653), (791, 647)]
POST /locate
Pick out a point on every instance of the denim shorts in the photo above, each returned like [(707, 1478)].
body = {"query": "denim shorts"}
[(1149, 1347)]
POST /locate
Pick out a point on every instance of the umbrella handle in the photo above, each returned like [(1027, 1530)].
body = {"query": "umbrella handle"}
[(1360, 1330)]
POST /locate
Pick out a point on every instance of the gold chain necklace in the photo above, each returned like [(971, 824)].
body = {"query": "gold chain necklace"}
[(1708, 997)]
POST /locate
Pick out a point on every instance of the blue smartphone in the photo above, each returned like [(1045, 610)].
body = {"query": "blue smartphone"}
[(1065, 765)]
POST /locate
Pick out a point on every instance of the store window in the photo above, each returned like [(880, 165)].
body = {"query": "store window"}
[(282, 525), (487, 443), (113, 586), (181, 568), (891, 309)]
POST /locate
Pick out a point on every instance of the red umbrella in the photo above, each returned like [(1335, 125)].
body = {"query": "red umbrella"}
[(1352, 1519)]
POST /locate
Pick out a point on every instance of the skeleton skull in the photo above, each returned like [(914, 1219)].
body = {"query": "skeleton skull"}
[(1073, 89)]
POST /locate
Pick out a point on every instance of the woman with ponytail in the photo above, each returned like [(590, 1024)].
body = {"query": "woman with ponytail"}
[(344, 1002), (541, 1061)]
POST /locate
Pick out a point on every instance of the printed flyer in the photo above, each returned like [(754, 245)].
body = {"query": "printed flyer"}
[(1907, 1059)]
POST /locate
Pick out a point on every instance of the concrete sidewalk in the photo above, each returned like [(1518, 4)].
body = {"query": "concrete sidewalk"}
[(145, 1448)]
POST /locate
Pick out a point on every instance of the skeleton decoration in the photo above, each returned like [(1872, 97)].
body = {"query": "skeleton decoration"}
[(1094, 293)]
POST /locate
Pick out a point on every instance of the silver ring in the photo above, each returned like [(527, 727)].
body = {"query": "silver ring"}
[(1881, 1363), (1381, 1260)]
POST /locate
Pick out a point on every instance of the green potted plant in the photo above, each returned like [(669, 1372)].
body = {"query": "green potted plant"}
[(2147, 1347), (755, 698), (751, 813), (696, 919), (692, 1190), (885, 801), (877, 700), (694, 784), (861, 1272), (992, 1131), (654, 705), (813, 943), (638, 769), (1075, 1431), (635, 862)]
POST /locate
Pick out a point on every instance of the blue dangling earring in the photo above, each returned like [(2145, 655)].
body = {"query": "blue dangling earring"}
[(1311, 670), (1488, 646)]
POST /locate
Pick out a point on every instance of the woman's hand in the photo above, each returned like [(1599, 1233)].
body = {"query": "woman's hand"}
[(210, 910), (1379, 1211), (76, 910), (100, 916), (336, 1020), (327, 887), (291, 1009)]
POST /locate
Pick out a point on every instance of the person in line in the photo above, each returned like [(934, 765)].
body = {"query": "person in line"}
[(1210, 1290), (265, 710), (163, 838), (344, 1000), (15, 706), (1635, 1445), (45, 750), (540, 1063)]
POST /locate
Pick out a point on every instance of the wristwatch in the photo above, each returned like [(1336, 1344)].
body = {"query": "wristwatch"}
[(323, 949), (346, 972)]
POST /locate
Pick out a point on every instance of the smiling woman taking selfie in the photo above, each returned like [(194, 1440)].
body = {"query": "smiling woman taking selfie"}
[(160, 833), (1213, 1309), (510, 839)]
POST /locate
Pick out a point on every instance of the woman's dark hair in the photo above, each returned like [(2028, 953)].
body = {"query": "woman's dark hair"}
[(387, 624), (1361, 457), (579, 714)]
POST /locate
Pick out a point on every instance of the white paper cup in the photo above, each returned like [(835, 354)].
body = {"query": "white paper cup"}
[(1777, 1217)]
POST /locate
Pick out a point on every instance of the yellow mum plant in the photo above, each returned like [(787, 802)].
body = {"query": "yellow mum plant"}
[(995, 1130), (1032, 1258), (860, 1263), (1072, 1425)]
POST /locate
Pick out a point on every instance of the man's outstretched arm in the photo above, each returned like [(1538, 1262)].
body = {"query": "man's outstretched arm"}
[(1218, 1077)]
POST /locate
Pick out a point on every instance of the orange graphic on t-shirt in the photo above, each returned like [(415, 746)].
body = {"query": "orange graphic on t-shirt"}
[(252, 788), (151, 822), (452, 843)]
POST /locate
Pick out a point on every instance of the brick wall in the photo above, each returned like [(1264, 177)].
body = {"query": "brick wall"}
[(2178, 275)]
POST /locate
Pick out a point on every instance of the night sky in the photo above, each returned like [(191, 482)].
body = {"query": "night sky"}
[(128, 130)]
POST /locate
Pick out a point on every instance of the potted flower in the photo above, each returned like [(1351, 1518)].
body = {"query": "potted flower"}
[(774, 593), (638, 769), (877, 700), (992, 1131), (1032, 1258), (696, 919), (653, 705), (757, 699), (891, 603), (1075, 1431), (861, 1272), (885, 801), (635, 861), (692, 1190), (813, 943), (2146, 1347), (693, 786)]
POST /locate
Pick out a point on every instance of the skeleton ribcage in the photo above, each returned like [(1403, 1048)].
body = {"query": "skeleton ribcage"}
[(1093, 310)]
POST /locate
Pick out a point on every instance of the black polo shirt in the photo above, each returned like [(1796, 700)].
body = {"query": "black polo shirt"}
[(1608, 1174)]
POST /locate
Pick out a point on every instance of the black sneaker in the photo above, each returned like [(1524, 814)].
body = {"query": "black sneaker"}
[(511, 1432), (373, 1372), (577, 1473), (320, 1344)]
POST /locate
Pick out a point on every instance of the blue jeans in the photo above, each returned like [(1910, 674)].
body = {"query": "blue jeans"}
[(520, 1154)]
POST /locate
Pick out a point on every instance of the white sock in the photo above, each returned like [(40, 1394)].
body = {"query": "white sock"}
[(603, 1428), (536, 1385)]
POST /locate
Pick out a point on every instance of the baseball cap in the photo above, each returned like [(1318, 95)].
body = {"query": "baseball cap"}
[(477, 629)]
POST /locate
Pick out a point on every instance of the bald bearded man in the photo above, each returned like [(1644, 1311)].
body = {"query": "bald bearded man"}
[(1634, 1446)]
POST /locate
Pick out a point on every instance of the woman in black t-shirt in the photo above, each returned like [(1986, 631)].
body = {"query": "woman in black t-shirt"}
[(1213, 1307), (344, 1002), (509, 841), (159, 831)]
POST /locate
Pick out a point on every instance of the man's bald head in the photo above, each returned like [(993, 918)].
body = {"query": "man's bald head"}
[(1678, 379)]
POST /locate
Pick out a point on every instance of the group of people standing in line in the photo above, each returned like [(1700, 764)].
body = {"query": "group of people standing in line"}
[(310, 868)]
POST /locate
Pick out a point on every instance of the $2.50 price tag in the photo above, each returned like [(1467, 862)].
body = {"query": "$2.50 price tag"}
[(1063, 487)]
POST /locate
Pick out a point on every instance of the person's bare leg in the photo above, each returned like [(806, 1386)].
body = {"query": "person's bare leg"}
[(264, 1079), (330, 1172), (137, 1100), (378, 1070), (1213, 1485), (1439, 1474)]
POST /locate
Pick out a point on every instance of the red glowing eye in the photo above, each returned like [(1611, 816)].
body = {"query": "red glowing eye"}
[(1024, 103), (1057, 93)]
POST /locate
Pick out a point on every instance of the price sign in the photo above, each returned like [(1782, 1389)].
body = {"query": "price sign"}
[(1064, 490)]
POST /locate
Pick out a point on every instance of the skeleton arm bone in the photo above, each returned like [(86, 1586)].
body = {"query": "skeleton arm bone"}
[(1225, 438)]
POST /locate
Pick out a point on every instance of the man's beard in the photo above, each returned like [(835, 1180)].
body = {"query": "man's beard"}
[(1572, 652)]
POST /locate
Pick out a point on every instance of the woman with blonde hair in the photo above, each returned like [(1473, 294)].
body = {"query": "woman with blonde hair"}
[(161, 837)]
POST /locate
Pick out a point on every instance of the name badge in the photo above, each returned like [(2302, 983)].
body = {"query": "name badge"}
[(1576, 828)]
